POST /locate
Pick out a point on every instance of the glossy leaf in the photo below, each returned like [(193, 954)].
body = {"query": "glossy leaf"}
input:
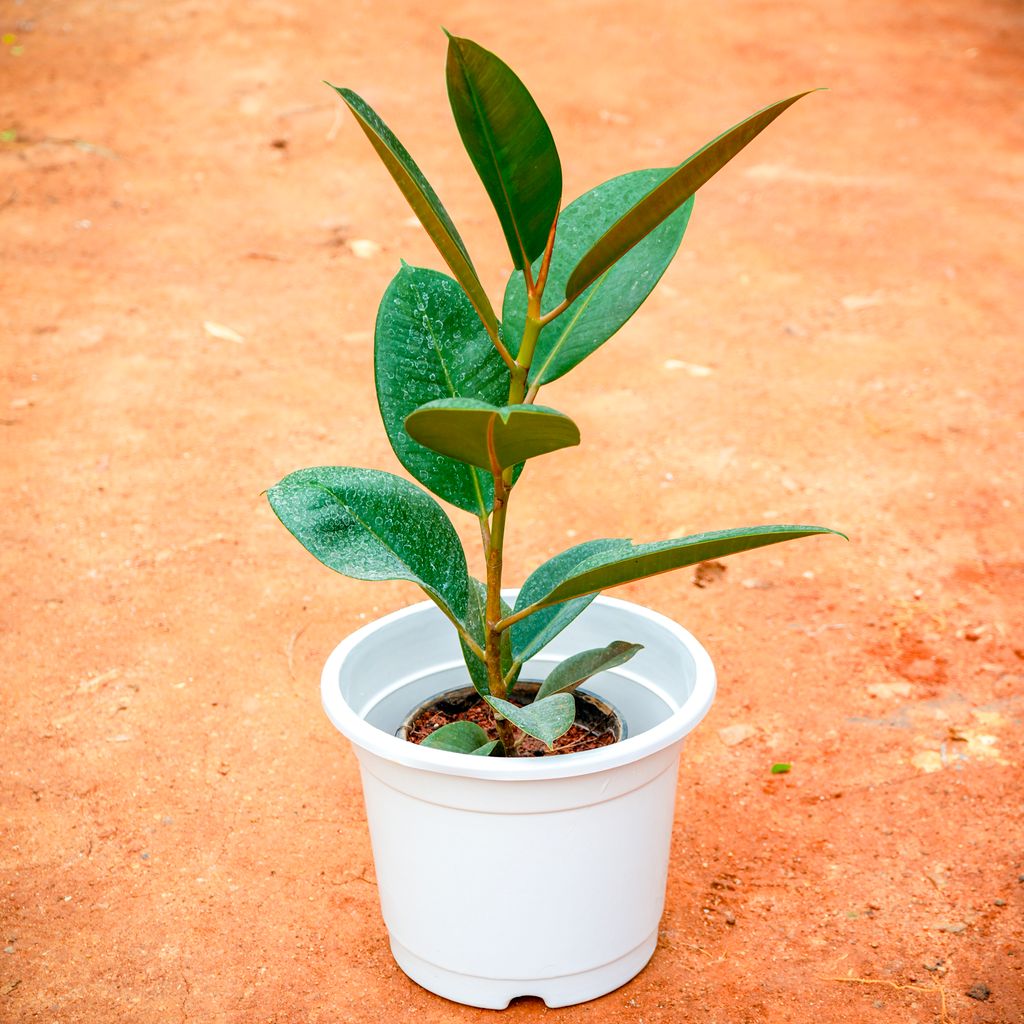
[(460, 737), (491, 749), (510, 145), (424, 202), (569, 674), (429, 344), (475, 432), (667, 197), (371, 525), (476, 619), (612, 299), (535, 632), (545, 720), (643, 560)]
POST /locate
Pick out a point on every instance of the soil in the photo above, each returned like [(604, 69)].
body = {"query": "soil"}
[(596, 725), (194, 238)]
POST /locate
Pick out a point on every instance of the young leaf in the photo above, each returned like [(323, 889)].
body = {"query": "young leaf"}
[(473, 431), (510, 145), (639, 561), (424, 202), (371, 525), (460, 737), (533, 633), (612, 299), (429, 344), (660, 203), (476, 624), (489, 749), (568, 674), (545, 720)]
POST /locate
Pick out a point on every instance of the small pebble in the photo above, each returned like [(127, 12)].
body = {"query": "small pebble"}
[(364, 248), (981, 992), (730, 917), (999, 903), (1020, 878), (956, 928), (733, 735), (8, 949)]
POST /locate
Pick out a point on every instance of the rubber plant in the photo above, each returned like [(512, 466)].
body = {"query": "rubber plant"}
[(457, 387)]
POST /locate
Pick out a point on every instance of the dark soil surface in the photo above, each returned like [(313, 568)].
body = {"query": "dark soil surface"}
[(594, 727), (194, 239)]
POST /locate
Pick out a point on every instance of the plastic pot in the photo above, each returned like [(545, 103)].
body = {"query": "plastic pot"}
[(506, 877)]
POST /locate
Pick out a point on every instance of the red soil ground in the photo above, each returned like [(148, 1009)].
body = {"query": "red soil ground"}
[(183, 835)]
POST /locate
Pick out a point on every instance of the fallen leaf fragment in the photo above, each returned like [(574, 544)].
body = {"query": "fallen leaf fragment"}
[(215, 330), (693, 369)]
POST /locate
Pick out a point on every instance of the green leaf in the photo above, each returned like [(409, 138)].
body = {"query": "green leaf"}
[(490, 749), (662, 201), (371, 525), (460, 737), (424, 202), (782, 768), (612, 299), (569, 674), (545, 720), (474, 431), (510, 145), (429, 344), (476, 623), (639, 561), (533, 633)]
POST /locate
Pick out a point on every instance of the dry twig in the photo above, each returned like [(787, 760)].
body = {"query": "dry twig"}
[(935, 989)]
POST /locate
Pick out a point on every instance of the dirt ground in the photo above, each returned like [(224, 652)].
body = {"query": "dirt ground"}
[(839, 341)]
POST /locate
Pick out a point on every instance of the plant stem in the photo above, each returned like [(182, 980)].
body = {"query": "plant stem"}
[(531, 332), (494, 536), (557, 311)]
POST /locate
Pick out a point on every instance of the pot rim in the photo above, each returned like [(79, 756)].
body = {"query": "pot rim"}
[(376, 741)]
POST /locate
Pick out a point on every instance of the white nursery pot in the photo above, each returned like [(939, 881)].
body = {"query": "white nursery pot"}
[(506, 877)]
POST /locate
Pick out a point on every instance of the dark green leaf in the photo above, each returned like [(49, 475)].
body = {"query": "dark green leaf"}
[(460, 737), (569, 674), (473, 431), (371, 525), (510, 145), (545, 720), (491, 749), (610, 301), (476, 620), (642, 560), (533, 633), (660, 203), (429, 344), (424, 202)]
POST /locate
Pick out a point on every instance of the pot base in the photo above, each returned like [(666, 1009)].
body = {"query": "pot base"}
[(497, 993)]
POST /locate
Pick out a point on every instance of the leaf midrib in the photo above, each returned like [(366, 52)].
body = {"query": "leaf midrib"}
[(481, 504), (376, 536), (492, 153), (571, 324)]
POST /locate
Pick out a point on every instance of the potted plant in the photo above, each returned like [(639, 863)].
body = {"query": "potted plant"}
[(502, 873)]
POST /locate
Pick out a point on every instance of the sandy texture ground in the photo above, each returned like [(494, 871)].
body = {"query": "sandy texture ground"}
[(183, 836)]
